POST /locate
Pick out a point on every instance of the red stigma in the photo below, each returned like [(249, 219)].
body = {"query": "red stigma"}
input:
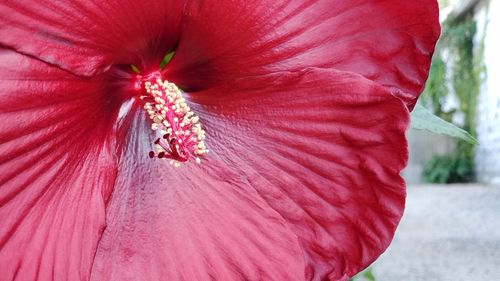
[(181, 134)]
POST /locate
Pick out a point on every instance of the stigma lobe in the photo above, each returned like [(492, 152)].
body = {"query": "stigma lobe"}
[(182, 136)]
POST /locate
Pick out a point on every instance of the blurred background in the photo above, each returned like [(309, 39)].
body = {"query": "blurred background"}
[(451, 227)]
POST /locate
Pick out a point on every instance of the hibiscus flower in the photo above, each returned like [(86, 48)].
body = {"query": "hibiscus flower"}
[(295, 110)]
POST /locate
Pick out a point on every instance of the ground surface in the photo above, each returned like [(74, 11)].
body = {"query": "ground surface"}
[(448, 233)]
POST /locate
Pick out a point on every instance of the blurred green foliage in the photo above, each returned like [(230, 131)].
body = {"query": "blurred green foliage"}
[(457, 68), (366, 275), (455, 168)]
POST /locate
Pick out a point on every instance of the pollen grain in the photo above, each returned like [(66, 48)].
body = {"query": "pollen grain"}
[(181, 133)]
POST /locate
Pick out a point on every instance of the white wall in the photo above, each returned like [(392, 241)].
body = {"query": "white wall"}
[(423, 146), (488, 115)]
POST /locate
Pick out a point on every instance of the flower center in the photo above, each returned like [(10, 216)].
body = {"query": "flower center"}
[(181, 134)]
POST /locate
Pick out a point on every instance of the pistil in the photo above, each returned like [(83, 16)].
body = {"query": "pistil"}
[(182, 136)]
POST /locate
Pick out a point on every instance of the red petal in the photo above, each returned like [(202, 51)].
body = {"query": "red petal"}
[(87, 36), (390, 42), (325, 150), (56, 169), (196, 222)]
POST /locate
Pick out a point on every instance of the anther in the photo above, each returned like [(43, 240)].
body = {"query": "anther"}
[(182, 135)]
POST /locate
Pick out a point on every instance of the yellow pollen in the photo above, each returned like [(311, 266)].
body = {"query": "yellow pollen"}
[(182, 134)]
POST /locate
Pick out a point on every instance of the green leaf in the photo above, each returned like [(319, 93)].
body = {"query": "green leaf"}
[(369, 275), (423, 119), (134, 68), (166, 59)]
